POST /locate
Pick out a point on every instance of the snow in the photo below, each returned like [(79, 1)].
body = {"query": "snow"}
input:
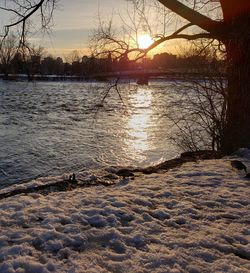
[(195, 218)]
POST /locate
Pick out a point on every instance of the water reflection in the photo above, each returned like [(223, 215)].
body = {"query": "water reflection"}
[(51, 128), (138, 141)]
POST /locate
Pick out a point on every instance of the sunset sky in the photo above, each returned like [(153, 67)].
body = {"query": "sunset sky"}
[(74, 21)]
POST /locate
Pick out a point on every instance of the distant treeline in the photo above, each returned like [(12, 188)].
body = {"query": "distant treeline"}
[(90, 65)]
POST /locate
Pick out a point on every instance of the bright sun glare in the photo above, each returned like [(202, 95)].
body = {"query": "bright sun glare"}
[(144, 41)]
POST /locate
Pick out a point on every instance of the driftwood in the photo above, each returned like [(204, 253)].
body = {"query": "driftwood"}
[(108, 180), (58, 186)]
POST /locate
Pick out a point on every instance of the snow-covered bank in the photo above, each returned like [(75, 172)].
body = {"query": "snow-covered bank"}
[(195, 218)]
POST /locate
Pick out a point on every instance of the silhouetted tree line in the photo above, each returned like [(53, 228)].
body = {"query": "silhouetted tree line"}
[(89, 65)]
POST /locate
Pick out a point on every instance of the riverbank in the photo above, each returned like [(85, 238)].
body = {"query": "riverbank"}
[(107, 176), (193, 218)]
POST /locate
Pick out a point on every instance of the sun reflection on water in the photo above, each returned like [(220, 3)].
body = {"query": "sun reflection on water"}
[(138, 124)]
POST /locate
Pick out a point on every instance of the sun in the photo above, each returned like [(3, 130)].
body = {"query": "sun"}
[(144, 41)]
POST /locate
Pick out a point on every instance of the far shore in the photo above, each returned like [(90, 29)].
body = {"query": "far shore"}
[(111, 76)]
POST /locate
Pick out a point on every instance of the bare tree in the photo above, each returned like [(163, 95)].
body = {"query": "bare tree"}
[(21, 12), (120, 41), (140, 17), (227, 22), (73, 56), (8, 50), (32, 56), (232, 29), (198, 115)]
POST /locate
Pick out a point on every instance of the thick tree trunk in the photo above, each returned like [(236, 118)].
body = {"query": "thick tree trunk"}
[(237, 131), (234, 31)]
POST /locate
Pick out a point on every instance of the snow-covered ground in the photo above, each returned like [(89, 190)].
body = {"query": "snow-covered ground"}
[(195, 218)]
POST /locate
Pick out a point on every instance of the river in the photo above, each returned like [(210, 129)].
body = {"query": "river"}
[(49, 128)]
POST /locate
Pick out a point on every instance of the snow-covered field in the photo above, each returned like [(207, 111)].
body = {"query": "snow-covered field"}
[(195, 218)]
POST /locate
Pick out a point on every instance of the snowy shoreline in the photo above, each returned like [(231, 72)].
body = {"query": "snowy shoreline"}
[(103, 176), (194, 218)]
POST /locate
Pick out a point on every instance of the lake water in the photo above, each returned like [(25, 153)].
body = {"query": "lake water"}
[(51, 128)]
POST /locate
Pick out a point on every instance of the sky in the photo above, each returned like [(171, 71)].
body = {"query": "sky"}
[(74, 21)]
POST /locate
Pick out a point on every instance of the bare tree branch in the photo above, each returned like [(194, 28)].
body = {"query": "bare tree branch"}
[(191, 15), (23, 11)]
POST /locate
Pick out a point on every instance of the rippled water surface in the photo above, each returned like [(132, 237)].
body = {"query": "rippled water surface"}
[(52, 128)]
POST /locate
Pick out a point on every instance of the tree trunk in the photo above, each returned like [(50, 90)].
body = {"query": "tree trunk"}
[(237, 131)]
